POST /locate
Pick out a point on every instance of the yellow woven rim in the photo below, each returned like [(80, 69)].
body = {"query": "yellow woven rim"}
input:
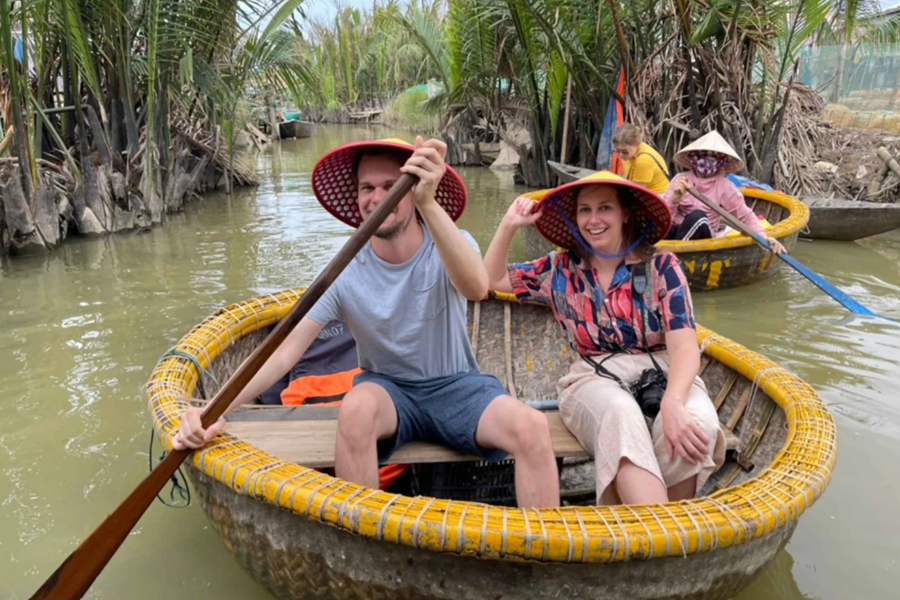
[(797, 219), (796, 478)]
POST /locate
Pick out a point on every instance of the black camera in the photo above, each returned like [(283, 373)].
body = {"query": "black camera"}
[(649, 390)]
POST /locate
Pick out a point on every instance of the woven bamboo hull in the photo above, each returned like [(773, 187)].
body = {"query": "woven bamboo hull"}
[(299, 559), (304, 534), (847, 220), (722, 263)]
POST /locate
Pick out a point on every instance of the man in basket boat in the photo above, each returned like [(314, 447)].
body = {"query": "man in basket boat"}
[(627, 312), (404, 299), (322, 377)]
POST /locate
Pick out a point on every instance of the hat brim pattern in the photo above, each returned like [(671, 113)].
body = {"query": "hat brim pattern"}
[(335, 187), (653, 212)]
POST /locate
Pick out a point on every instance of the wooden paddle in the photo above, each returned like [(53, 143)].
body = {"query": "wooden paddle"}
[(820, 282), (73, 578)]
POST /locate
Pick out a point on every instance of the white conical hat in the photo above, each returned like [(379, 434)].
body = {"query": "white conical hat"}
[(712, 142)]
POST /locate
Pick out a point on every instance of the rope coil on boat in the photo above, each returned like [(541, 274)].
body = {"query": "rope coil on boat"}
[(178, 481)]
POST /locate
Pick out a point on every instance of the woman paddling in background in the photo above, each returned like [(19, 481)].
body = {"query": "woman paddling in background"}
[(708, 161), (642, 163), (628, 315)]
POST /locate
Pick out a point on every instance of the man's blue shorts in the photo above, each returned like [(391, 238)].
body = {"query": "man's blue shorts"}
[(443, 410)]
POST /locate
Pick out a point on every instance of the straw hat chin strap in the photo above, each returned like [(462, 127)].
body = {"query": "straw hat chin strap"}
[(572, 229)]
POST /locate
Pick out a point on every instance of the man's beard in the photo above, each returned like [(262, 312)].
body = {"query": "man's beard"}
[(392, 231)]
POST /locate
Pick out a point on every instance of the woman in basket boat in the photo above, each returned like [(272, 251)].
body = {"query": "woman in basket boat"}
[(641, 163), (628, 315), (709, 161)]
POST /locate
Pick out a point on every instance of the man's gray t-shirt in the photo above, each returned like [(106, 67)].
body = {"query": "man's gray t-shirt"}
[(408, 320)]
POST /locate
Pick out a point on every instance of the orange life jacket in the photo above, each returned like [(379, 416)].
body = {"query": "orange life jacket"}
[(325, 374)]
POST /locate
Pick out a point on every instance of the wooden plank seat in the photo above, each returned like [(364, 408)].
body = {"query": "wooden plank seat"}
[(306, 435)]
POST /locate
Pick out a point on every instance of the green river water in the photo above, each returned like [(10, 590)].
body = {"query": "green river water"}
[(80, 331)]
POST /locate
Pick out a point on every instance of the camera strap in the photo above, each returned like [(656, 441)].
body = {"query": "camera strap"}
[(640, 295), (602, 371)]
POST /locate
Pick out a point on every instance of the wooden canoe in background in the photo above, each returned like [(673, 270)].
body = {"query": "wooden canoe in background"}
[(848, 220), (567, 173), (304, 129), (296, 129), (489, 151)]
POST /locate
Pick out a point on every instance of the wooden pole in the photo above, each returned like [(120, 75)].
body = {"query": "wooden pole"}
[(273, 120), (565, 139)]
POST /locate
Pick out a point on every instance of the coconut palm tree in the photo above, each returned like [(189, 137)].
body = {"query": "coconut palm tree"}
[(96, 87), (369, 55)]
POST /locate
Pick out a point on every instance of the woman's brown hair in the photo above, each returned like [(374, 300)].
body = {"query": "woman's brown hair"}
[(628, 135)]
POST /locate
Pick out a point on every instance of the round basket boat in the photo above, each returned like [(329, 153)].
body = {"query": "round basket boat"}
[(304, 534), (724, 262)]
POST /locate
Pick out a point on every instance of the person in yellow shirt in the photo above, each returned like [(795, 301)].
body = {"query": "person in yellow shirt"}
[(641, 163)]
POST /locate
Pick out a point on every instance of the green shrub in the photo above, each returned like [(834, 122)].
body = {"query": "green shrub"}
[(409, 111)]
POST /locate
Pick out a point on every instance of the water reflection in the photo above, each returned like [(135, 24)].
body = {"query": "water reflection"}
[(776, 582)]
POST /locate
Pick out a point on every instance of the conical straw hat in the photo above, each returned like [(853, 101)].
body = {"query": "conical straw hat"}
[(653, 212), (712, 142), (334, 185)]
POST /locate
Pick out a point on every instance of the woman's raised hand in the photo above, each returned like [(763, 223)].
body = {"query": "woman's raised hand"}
[(523, 211)]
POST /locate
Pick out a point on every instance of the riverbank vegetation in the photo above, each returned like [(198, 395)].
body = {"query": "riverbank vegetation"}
[(364, 58), (116, 112), (538, 75)]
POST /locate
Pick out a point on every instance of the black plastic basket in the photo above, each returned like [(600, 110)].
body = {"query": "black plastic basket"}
[(471, 481)]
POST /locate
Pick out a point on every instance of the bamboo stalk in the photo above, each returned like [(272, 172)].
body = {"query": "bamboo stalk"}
[(889, 161), (565, 135)]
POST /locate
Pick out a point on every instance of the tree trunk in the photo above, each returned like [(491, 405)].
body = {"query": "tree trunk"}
[(99, 140), (116, 111), (770, 152), (131, 127), (838, 75), (476, 150), (273, 119), (46, 213), (161, 123), (20, 235)]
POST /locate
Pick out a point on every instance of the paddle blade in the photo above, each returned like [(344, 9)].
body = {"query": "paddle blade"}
[(849, 303), (74, 577)]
